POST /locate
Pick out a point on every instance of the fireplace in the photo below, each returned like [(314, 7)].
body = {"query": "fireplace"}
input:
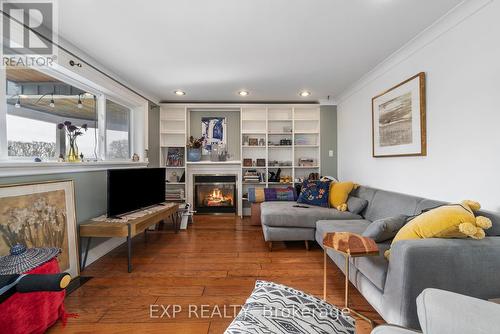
[(215, 194)]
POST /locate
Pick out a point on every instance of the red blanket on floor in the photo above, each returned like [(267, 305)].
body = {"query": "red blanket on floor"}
[(33, 312)]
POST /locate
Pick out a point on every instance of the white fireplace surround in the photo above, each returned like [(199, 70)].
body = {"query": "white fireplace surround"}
[(211, 168)]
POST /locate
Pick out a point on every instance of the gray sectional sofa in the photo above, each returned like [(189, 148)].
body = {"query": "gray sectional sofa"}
[(466, 266)]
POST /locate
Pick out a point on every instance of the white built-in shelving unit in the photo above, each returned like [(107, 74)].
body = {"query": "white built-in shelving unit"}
[(300, 123), (173, 132)]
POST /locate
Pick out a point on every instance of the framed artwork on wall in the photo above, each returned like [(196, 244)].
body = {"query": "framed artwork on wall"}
[(213, 131), (399, 120), (40, 215)]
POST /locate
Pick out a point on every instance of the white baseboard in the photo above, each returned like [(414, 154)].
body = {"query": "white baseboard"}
[(102, 249)]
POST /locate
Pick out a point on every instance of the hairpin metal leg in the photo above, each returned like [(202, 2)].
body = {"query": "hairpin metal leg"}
[(177, 224), (82, 266), (129, 249), (324, 274), (362, 316)]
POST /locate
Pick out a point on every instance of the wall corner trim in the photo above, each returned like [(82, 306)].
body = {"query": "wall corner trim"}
[(451, 19)]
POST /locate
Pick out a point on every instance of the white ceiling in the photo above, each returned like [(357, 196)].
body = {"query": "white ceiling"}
[(273, 48)]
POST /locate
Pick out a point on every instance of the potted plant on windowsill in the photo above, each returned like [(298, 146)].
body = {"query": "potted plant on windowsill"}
[(194, 148), (72, 133)]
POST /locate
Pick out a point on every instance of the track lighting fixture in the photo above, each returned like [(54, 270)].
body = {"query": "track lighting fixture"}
[(80, 104), (52, 103), (18, 102)]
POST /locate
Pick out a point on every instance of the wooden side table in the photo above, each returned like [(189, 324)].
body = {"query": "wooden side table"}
[(349, 245)]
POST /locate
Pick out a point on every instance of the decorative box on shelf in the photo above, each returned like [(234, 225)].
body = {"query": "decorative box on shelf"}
[(306, 162)]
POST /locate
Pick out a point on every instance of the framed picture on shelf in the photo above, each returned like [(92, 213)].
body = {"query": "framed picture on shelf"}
[(261, 162), (40, 215), (175, 157), (253, 141), (247, 162), (399, 120)]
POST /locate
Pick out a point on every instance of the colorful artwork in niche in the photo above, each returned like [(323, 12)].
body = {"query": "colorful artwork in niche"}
[(213, 131)]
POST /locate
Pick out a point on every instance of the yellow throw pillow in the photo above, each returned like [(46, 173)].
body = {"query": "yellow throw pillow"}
[(339, 192), (448, 221)]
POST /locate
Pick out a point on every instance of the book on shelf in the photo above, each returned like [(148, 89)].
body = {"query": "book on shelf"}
[(174, 194), (253, 176)]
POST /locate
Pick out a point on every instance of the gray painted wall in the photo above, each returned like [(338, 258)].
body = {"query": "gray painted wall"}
[(90, 192), (233, 128), (328, 140), (154, 135)]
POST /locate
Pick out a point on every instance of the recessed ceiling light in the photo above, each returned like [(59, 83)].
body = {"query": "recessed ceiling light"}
[(179, 92), (304, 93), (243, 93)]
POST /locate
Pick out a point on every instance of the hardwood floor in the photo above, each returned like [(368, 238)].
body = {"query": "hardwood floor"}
[(211, 265)]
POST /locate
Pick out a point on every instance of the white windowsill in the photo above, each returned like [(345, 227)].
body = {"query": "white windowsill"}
[(20, 168)]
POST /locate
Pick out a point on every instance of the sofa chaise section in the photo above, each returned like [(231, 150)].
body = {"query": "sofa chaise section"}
[(283, 221)]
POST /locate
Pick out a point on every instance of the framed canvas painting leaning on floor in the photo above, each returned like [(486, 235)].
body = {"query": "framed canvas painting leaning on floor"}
[(40, 215)]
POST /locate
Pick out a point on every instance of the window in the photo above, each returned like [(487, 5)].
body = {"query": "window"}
[(29, 138), (117, 131), (36, 104)]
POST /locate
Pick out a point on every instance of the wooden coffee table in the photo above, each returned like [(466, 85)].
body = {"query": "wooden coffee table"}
[(349, 245)]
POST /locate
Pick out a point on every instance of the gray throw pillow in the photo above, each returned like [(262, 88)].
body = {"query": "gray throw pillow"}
[(385, 229), (356, 204)]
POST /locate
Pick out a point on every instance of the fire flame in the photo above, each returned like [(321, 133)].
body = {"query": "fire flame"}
[(216, 197)]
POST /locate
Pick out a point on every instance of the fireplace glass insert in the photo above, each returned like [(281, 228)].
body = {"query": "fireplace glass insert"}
[(215, 194)]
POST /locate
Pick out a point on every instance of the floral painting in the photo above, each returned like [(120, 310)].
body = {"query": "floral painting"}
[(40, 215)]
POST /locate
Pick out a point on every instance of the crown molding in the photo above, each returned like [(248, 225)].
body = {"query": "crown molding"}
[(327, 102), (451, 19)]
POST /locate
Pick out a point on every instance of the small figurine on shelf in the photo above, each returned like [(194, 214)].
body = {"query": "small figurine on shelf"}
[(275, 177), (135, 157), (173, 177)]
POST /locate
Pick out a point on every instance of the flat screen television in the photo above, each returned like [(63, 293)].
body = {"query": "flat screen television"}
[(134, 189)]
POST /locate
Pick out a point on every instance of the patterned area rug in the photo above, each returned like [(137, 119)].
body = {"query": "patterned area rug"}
[(275, 308)]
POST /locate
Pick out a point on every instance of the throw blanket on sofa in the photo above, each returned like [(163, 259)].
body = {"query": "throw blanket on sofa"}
[(258, 195)]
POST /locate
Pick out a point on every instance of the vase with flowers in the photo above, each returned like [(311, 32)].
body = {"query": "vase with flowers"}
[(194, 148), (72, 133)]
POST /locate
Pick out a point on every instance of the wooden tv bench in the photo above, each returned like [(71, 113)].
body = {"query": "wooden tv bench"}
[(128, 228)]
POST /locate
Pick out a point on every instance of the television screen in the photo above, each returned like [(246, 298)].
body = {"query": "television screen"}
[(133, 189)]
